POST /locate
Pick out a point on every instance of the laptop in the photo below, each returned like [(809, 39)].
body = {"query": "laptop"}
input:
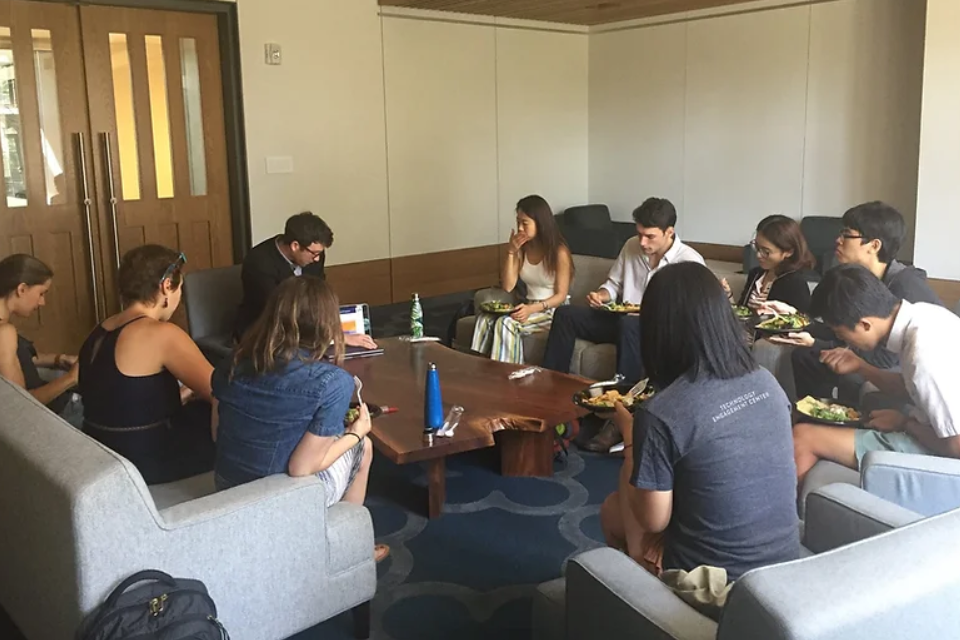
[(355, 319)]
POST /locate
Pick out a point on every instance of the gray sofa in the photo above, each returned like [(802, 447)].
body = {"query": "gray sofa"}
[(76, 519), (872, 571), (594, 361)]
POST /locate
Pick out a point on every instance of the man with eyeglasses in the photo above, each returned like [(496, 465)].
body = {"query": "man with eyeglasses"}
[(871, 237), (299, 251)]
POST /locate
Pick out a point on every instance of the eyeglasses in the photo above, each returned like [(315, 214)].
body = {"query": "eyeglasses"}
[(315, 254), (766, 253), (846, 235), (172, 269)]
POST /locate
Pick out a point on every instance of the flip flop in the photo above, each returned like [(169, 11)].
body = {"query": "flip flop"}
[(380, 552)]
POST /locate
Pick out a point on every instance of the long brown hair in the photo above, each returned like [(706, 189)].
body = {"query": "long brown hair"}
[(785, 234), (302, 314), (549, 239)]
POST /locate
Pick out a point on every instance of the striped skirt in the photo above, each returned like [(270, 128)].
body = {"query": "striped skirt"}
[(502, 337), (338, 477)]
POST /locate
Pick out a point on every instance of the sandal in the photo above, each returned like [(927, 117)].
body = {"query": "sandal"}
[(380, 552)]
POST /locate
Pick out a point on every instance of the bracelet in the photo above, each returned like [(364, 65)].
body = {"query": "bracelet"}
[(351, 433), (544, 303), (627, 444)]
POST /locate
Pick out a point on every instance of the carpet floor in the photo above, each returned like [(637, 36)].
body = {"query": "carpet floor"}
[(472, 572)]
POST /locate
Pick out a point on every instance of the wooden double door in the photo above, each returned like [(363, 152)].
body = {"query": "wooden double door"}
[(112, 136)]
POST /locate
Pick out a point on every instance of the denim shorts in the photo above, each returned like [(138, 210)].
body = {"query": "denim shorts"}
[(866, 440)]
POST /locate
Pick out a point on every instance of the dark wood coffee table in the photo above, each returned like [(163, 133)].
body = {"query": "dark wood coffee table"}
[(520, 413)]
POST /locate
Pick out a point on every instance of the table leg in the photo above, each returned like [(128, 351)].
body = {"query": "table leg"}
[(526, 453), (436, 486)]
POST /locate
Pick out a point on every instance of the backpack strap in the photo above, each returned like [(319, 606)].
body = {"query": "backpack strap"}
[(140, 576)]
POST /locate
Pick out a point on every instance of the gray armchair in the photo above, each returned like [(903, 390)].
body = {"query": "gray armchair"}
[(928, 485), (212, 297), (874, 571), (77, 519)]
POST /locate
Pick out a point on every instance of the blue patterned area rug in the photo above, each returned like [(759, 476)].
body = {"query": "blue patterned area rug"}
[(472, 572)]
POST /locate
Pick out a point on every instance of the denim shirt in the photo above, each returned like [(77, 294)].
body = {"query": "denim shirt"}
[(264, 417)]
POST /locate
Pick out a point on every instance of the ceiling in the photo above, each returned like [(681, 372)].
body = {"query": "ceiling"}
[(585, 12)]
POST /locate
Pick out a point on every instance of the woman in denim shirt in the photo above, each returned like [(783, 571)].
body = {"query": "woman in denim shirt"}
[(282, 406)]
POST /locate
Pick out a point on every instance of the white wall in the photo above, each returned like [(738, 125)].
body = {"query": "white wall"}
[(938, 205), (802, 110), (409, 134), (323, 107)]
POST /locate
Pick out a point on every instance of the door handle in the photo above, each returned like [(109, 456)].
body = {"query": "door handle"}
[(85, 193), (111, 196)]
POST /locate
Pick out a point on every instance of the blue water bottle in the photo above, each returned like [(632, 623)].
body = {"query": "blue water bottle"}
[(432, 402)]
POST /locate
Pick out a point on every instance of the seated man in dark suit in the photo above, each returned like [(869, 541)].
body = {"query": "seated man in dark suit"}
[(299, 251)]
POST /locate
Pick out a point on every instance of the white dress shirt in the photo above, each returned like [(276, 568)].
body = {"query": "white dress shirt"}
[(631, 273), (925, 337)]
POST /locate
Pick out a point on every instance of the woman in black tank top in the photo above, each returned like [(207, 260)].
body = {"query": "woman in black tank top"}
[(24, 282), (131, 370)]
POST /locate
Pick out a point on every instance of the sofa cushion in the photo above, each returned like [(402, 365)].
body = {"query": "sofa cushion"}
[(589, 273), (549, 610), (594, 361), (173, 493)]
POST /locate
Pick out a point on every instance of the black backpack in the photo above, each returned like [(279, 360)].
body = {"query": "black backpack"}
[(164, 608)]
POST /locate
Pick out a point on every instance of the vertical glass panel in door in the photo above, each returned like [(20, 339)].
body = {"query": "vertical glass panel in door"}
[(193, 110), (126, 120), (160, 116), (11, 132), (51, 136)]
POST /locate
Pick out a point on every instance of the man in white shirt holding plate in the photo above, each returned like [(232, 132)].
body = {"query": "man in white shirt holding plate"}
[(655, 246), (865, 314)]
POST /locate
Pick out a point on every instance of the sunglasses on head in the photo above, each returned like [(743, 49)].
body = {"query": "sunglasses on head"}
[(181, 260)]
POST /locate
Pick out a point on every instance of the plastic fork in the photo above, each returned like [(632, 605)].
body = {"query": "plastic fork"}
[(359, 385)]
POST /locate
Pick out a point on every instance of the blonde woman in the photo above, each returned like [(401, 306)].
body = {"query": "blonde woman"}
[(538, 255)]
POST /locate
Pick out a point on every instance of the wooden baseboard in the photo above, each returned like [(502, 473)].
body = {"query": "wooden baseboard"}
[(389, 280), (722, 252), (362, 282), (434, 274), (948, 290)]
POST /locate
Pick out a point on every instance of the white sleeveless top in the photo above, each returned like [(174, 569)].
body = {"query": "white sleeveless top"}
[(540, 284)]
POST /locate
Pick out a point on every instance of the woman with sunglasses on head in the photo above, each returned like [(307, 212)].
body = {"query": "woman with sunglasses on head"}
[(24, 282), (132, 367), (785, 266)]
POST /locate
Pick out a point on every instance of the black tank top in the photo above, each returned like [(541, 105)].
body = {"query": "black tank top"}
[(114, 400), (31, 376)]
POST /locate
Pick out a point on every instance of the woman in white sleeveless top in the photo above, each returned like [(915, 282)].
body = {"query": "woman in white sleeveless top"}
[(538, 255)]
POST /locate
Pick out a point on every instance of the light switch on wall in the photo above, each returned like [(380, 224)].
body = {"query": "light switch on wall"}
[(279, 164), (273, 54)]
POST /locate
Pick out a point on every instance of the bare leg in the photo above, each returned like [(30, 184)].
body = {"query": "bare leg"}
[(813, 442), (621, 529), (611, 524), (357, 491)]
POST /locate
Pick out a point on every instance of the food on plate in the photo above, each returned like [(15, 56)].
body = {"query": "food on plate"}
[(742, 312), (497, 307), (789, 322), (608, 399), (622, 307), (827, 410)]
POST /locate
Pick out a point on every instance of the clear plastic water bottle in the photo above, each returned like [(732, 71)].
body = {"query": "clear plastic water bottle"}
[(416, 317), (432, 401)]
